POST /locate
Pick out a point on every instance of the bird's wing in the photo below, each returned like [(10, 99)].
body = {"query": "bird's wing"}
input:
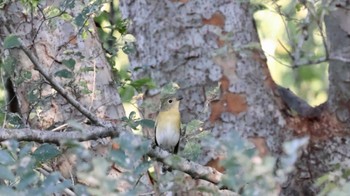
[(155, 132), (176, 149)]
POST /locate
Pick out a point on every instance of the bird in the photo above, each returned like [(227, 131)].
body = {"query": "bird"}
[(168, 123)]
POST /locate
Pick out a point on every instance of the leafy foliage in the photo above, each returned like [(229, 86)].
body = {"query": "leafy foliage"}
[(335, 182), (64, 73), (70, 63), (9, 65), (114, 37), (295, 46), (193, 135), (45, 153), (92, 8), (19, 172), (11, 42), (134, 122)]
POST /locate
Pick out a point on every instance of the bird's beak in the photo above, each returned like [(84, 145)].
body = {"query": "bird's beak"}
[(179, 97)]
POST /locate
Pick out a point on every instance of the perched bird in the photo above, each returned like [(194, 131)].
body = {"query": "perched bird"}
[(168, 123)]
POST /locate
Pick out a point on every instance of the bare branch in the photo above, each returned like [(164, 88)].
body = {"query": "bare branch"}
[(193, 169), (341, 55), (60, 89), (41, 136), (297, 104)]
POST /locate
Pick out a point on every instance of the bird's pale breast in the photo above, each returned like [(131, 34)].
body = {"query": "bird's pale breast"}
[(168, 129)]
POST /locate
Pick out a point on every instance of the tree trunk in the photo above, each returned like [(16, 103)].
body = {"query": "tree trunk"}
[(58, 45), (203, 44), (71, 55)]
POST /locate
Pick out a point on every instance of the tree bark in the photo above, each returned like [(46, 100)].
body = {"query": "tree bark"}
[(59, 59), (54, 41)]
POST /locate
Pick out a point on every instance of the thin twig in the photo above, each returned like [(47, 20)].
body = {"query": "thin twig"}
[(60, 127), (285, 48), (60, 89), (278, 8), (45, 19), (149, 193), (46, 173), (93, 87)]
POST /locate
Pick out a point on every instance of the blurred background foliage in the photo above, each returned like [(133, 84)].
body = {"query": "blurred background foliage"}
[(293, 33)]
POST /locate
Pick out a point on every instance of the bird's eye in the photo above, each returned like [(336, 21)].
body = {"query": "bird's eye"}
[(170, 101)]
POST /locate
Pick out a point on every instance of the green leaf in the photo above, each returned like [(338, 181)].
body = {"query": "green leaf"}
[(84, 87), (125, 119), (32, 96), (138, 84), (84, 34), (70, 63), (6, 174), (328, 187), (51, 12), (46, 152), (136, 149), (132, 115), (27, 75), (86, 69), (147, 123), (7, 191), (346, 173), (192, 150), (250, 152), (68, 4), (15, 120), (64, 73), (103, 16), (119, 157), (79, 20), (53, 185), (9, 65), (128, 48), (12, 146), (11, 41), (321, 180), (193, 126), (66, 17), (126, 93), (80, 189), (138, 68), (129, 38), (25, 150), (6, 158), (124, 74), (142, 168), (298, 7), (27, 180), (121, 25)]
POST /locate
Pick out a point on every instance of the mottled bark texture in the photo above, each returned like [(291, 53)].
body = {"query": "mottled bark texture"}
[(200, 44), (178, 42), (54, 41), (58, 44)]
